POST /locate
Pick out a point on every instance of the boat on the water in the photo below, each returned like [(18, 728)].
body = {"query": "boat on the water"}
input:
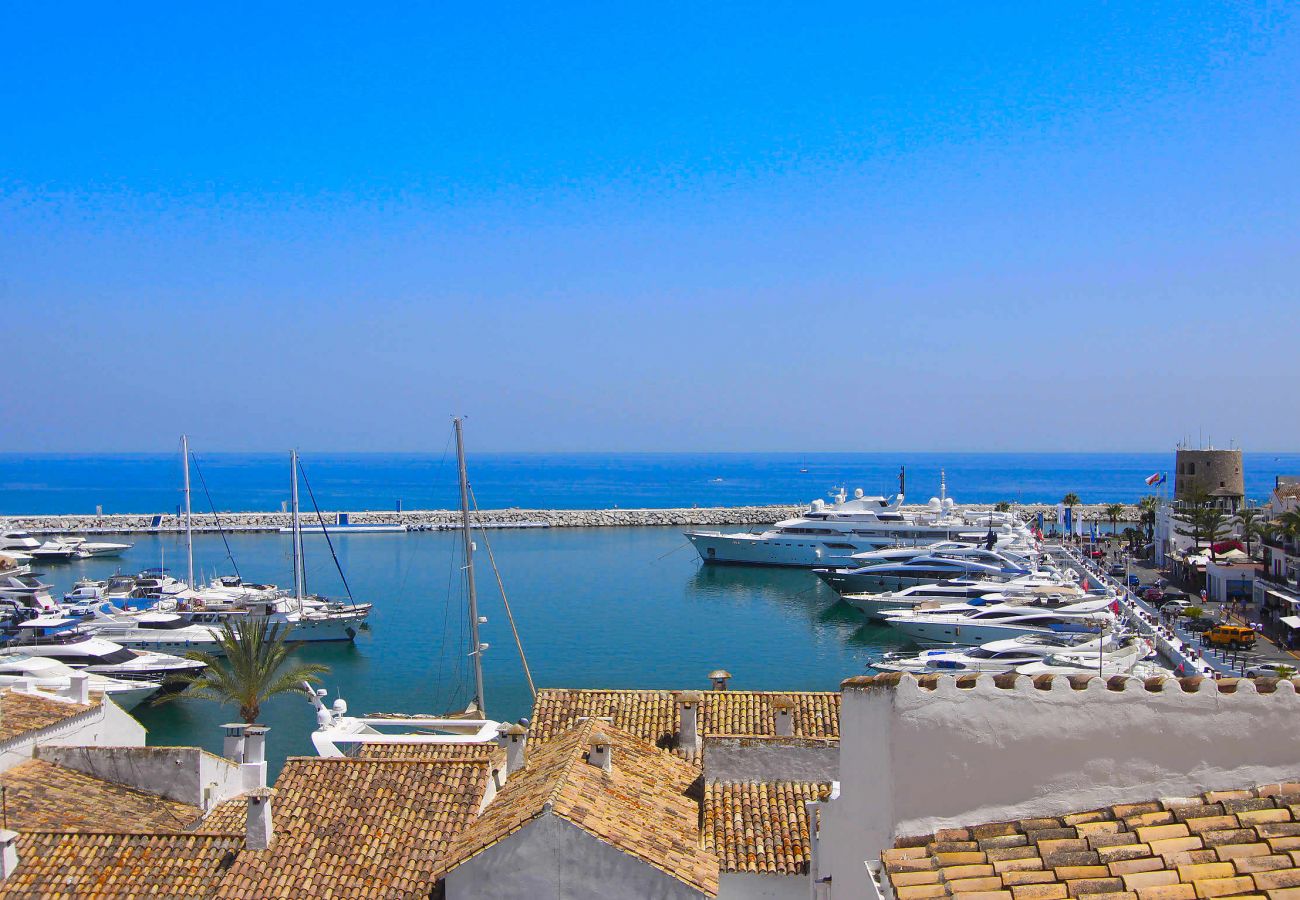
[(62, 549), (45, 673), (974, 626), (831, 535), (926, 567), (63, 639), (995, 656), (1046, 589)]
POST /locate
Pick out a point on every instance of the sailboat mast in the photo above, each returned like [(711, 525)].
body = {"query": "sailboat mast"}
[(476, 649), (297, 528), (189, 529)]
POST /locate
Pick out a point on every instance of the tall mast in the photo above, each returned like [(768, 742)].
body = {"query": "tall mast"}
[(298, 572), (476, 649), (189, 530)]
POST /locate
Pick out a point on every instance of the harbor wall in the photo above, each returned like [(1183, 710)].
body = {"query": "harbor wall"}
[(715, 516)]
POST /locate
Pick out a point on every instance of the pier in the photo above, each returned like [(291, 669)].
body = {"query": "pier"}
[(446, 519)]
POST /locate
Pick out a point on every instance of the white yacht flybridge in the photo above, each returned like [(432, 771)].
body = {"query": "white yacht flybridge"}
[(830, 534), (339, 734)]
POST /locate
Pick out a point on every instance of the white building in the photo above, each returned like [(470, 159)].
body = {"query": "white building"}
[(32, 719)]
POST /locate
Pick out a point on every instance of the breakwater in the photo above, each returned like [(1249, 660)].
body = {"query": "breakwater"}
[(489, 518)]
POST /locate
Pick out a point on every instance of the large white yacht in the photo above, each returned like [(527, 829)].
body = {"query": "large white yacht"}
[(75, 547), (995, 656), (61, 638), (18, 540), (20, 587), (970, 627), (18, 670), (1042, 588), (832, 534), (928, 566)]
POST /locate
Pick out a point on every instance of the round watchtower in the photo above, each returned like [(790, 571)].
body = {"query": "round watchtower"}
[(1216, 472)]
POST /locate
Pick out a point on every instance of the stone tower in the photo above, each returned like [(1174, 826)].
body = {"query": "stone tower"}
[(1217, 472)]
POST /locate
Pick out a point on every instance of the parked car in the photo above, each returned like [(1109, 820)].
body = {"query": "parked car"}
[(1116, 570), (1198, 625), (1097, 553), (1233, 637), (1168, 597), (1175, 607), (1270, 670), (1153, 595)]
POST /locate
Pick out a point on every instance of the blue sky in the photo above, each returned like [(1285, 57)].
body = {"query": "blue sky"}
[(740, 227)]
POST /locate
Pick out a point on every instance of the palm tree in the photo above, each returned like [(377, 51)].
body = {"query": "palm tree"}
[(1214, 526), (256, 668), (1003, 506), (1113, 512), (1248, 517), (1148, 506)]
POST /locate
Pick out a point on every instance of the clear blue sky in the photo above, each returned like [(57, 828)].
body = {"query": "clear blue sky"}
[(703, 226)]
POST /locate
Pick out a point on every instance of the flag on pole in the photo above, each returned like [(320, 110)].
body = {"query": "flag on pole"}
[(1067, 520), (1157, 478)]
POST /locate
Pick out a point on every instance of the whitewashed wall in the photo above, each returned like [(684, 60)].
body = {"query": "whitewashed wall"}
[(104, 726), (551, 858), (750, 886), (915, 760)]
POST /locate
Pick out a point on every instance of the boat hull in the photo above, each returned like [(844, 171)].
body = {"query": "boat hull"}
[(939, 633)]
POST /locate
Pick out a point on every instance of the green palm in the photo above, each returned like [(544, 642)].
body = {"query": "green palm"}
[(255, 668), (1071, 499)]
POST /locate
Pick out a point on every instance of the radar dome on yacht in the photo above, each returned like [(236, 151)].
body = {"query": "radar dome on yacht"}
[(934, 504), (857, 493), (819, 504), (948, 503)]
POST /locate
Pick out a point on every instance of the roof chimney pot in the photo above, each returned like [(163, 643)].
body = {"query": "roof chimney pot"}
[(232, 746), (258, 830), (719, 677), (79, 688), (8, 853), (783, 713), (514, 738), (688, 712), (600, 754)]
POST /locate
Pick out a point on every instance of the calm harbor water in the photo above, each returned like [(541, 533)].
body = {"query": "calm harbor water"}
[(611, 608), (150, 483)]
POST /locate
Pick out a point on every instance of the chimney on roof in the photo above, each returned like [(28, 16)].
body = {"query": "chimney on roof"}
[(254, 764), (514, 738), (719, 678), (258, 829), (232, 746), (599, 753), (783, 713), (688, 711), (79, 688), (8, 853)]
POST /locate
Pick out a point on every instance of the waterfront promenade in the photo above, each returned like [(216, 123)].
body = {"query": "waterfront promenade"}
[(489, 518)]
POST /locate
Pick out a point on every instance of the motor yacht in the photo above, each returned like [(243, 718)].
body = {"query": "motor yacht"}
[(62, 638), (831, 535), (162, 632), (23, 589), (49, 674), (311, 620), (19, 541), (928, 567), (1044, 588), (995, 656), (971, 627), (72, 547)]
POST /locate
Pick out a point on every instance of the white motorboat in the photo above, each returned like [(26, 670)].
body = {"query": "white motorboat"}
[(973, 627), (831, 535), (19, 541), (61, 638), (995, 656), (927, 567), (1047, 588), (161, 632), (55, 549), (49, 674), (23, 589)]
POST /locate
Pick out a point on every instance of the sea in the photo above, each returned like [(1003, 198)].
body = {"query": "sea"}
[(607, 608)]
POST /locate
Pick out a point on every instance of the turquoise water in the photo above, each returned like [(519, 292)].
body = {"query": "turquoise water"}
[(149, 483), (614, 608)]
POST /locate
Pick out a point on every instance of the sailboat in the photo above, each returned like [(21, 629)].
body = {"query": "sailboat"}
[(339, 734)]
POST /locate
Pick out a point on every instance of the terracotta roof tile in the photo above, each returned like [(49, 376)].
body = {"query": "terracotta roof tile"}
[(761, 826), (641, 806), (93, 866), (652, 715), (1222, 844), (21, 712), (42, 796), (356, 828)]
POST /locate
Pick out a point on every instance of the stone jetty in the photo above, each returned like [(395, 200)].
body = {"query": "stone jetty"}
[(489, 518)]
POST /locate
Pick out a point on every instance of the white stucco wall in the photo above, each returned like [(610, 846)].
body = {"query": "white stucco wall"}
[(770, 759), (914, 760), (104, 726), (737, 886), (551, 858), (185, 774)]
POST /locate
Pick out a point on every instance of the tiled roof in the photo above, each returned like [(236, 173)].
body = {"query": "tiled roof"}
[(1221, 844), (42, 796), (652, 715), (90, 866), (760, 826), (356, 828), (491, 752), (640, 806), (21, 712)]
